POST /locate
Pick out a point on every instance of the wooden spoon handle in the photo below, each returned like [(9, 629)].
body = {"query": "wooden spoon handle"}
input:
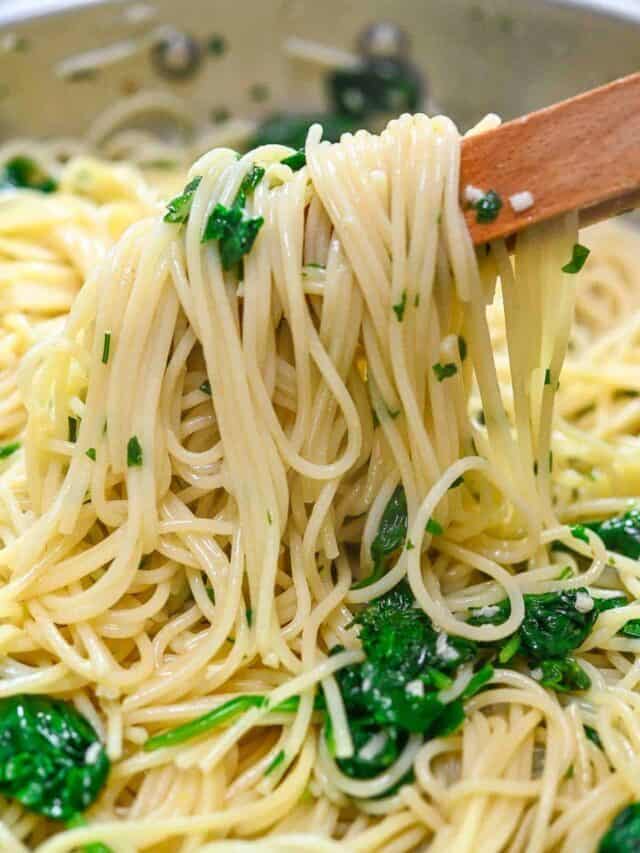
[(581, 154)]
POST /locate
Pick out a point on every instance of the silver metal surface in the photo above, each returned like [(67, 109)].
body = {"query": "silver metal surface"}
[(507, 56)]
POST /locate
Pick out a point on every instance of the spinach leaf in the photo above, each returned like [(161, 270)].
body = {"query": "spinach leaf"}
[(623, 836), (24, 173), (396, 690), (620, 533), (51, 759), (552, 625), (631, 628), (391, 535), (564, 675), (291, 130), (379, 85), (221, 715)]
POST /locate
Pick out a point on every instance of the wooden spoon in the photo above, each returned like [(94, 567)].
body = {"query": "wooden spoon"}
[(582, 154)]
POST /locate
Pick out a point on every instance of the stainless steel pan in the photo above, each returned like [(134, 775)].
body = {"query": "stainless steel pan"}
[(507, 56)]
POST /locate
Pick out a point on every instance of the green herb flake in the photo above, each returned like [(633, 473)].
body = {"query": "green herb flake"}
[(7, 450), (279, 758), (216, 45), (509, 649), (179, 208), (106, 346), (462, 347), (206, 387), (457, 482), (578, 531), (434, 528), (134, 452), (579, 255), (248, 185), (444, 371), (547, 377), (73, 428), (91, 453), (400, 306), (249, 615), (24, 173), (592, 735), (295, 161), (234, 231), (410, 546), (488, 207)]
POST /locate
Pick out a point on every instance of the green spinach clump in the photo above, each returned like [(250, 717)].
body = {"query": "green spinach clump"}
[(551, 629), (51, 759), (363, 96), (397, 689), (623, 836)]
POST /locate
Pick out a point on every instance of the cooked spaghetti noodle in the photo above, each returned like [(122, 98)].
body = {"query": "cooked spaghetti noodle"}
[(206, 456)]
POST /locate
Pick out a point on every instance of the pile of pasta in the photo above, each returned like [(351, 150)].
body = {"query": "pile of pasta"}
[(209, 413)]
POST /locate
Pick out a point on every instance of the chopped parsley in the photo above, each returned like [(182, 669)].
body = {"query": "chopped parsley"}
[(179, 208), (91, 453), (134, 452), (547, 377), (457, 482), (295, 161), (7, 450), (206, 387), (579, 255), (444, 371), (24, 173), (434, 528), (73, 428), (578, 531), (400, 306), (462, 347), (248, 185), (234, 231), (106, 346), (216, 45), (488, 207)]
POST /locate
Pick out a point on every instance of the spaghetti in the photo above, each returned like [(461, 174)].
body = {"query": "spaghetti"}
[(294, 400)]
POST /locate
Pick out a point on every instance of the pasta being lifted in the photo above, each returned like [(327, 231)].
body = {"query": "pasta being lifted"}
[(289, 524)]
